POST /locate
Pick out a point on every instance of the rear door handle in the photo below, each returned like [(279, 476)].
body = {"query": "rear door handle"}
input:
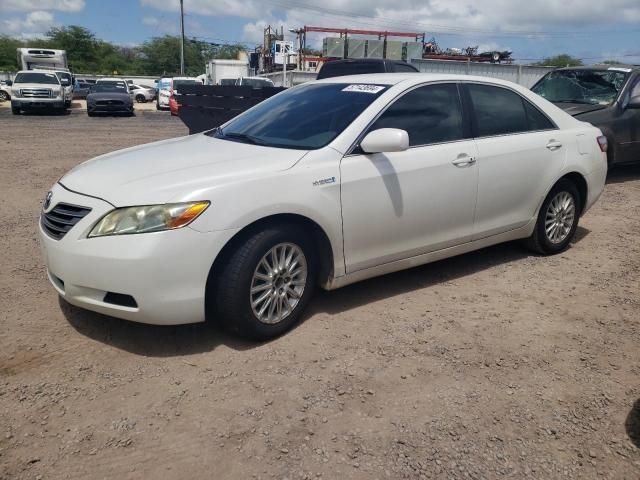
[(464, 160), (554, 145)]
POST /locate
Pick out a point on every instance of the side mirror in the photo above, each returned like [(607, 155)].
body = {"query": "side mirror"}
[(9, 83), (385, 140), (634, 102)]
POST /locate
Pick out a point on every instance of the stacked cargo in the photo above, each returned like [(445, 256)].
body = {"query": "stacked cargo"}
[(333, 47), (394, 50), (375, 48), (356, 48)]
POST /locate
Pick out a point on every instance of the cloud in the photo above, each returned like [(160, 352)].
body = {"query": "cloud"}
[(34, 24), (233, 8), (35, 5)]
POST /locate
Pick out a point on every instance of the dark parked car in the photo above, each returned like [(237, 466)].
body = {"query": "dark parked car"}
[(338, 68), (606, 96), (109, 96), (81, 89)]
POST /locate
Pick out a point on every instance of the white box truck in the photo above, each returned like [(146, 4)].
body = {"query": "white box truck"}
[(220, 72)]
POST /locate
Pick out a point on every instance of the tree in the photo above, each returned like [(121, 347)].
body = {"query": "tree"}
[(81, 45), (562, 60)]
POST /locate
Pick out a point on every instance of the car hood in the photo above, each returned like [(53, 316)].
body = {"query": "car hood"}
[(576, 109), (53, 86), (171, 170), (108, 96)]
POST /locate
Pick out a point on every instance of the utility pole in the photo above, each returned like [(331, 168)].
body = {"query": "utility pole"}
[(182, 37)]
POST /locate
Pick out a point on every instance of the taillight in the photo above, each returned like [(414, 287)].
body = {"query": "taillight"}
[(603, 143)]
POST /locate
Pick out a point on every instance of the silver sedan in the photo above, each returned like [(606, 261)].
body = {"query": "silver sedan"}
[(141, 93)]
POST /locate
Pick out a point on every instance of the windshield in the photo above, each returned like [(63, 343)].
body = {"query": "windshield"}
[(228, 81), (33, 77), (306, 117), (113, 87), (179, 83), (65, 75), (164, 84), (255, 82), (594, 87)]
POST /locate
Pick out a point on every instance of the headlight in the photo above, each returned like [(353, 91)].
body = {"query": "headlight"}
[(15, 93), (152, 218)]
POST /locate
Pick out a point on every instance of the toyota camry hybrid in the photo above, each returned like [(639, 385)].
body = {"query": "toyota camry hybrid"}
[(327, 183)]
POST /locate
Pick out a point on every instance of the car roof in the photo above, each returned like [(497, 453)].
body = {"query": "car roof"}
[(603, 67), (411, 78), (362, 60), (111, 80), (37, 70)]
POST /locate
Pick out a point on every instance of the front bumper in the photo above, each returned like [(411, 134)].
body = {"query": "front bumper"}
[(109, 108), (37, 103), (164, 272)]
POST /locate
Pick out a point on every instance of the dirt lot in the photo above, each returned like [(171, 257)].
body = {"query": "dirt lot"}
[(496, 364)]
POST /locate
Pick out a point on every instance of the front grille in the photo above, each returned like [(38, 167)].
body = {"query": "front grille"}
[(104, 103), (61, 218), (36, 92)]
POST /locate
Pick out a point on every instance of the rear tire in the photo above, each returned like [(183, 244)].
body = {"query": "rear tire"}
[(141, 98), (557, 220), (258, 303)]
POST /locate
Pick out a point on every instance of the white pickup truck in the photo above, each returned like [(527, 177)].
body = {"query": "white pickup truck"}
[(39, 89)]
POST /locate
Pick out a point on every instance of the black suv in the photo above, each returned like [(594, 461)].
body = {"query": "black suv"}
[(338, 68), (607, 96)]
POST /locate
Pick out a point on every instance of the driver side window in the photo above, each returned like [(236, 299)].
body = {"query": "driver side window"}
[(430, 114)]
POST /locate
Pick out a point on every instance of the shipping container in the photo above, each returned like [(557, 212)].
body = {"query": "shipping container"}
[(394, 50), (333, 47), (356, 48), (375, 48)]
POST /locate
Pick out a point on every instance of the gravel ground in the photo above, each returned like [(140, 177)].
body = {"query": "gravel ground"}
[(495, 364)]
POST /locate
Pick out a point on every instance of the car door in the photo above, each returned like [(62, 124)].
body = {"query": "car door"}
[(629, 125), (402, 204), (520, 151)]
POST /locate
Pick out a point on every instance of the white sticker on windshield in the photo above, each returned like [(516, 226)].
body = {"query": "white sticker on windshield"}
[(363, 88), (618, 69), (49, 74)]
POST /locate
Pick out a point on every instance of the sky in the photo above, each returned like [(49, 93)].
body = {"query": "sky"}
[(590, 29)]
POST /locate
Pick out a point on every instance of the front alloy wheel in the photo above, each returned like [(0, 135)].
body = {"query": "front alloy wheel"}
[(263, 284), (278, 283)]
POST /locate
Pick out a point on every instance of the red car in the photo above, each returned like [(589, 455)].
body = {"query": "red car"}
[(174, 106)]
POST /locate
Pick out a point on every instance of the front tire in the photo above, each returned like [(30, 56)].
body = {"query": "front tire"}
[(15, 110), (264, 286), (557, 220), (141, 98)]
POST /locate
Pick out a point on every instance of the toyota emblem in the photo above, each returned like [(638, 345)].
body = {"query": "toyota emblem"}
[(47, 200)]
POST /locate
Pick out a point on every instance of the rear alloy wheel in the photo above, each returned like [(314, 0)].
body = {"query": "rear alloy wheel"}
[(557, 221), (141, 98), (263, 287)]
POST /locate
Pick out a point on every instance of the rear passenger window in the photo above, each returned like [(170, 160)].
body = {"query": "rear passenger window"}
[(429, 114), (498, 111), (537, 120)]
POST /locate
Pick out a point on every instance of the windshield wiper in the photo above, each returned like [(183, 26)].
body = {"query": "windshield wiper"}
[(241, 136), (574, 100)]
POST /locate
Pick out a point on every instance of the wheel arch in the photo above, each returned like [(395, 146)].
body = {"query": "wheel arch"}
[(320, 238), (581, 184)]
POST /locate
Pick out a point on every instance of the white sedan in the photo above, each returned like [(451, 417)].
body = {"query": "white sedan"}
[(327, 183), (142, 94)]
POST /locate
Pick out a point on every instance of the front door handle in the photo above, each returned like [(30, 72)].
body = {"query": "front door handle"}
[(464, 160), (554, 145)]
